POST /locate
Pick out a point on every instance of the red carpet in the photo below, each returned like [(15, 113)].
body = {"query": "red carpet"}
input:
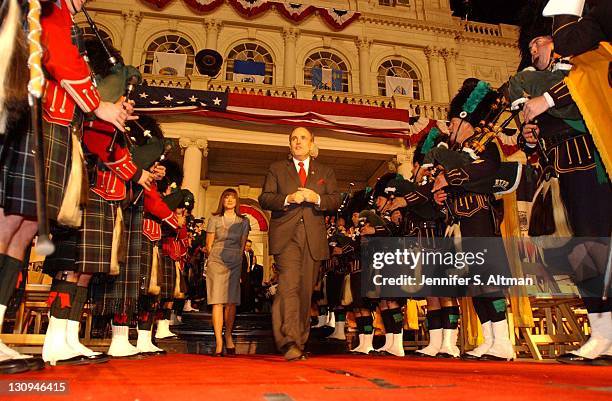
[(322, 378)]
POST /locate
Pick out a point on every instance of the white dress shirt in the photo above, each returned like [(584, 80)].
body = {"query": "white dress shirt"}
[(306, 169)]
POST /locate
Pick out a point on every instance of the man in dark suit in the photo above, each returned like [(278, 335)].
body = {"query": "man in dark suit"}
[(298, 191), (246, 288)]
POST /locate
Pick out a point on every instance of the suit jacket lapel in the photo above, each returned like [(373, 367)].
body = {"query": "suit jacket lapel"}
[(293, 172), (312, 172)]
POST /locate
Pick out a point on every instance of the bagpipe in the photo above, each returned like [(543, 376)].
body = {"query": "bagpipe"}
[(120, 80), (508, 175)]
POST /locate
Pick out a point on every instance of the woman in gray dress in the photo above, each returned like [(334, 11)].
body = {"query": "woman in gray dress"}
[(226, 236)]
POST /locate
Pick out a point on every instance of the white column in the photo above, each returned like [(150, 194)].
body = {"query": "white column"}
[(212, 33), (363, 45), (194, 149), (434, 73), (290, 35), (201, 203), (131, 20), (450, 59), (443, 54)]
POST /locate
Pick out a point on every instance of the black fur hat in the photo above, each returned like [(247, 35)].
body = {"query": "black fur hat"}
[(532, 25), (173, 177), (382, 183), (473, 102)]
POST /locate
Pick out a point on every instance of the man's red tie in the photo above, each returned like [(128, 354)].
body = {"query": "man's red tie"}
[(302, 173)]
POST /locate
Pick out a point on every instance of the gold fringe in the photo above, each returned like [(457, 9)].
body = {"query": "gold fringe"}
[(70, 213), (116, 245), (154, 288), (178, 294)]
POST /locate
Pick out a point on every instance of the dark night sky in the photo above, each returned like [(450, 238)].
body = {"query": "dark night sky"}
[(491, 11)]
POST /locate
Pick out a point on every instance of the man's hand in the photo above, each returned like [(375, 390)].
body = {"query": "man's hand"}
[(534, 107), (296, 197), (440, 196), (396, 203), (114, 114), (528, 133), (180, 218), (158, 171), (146, 179), (309, 195), (440, 182)]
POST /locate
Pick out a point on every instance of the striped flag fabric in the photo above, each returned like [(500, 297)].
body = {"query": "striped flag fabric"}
[(339, 117)]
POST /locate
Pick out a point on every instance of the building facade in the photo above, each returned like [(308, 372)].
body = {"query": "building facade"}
[(361, 41)]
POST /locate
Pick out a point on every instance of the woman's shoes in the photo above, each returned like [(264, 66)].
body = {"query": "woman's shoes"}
[(230, 351)]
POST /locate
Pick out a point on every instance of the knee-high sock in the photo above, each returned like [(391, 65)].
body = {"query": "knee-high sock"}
[(397, 317), (387, 318), (434, 319), (482, 310), (61, 298), (80, 297), (597, 305), (10, 270), (365, 325), (340, 314), (122, 319), (166, 314), (450, 317), (146, 312), (497, 309)]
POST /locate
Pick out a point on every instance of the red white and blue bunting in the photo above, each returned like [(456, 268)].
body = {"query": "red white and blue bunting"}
[(296, 12), (250, 8), (203, 6), (338, 19)]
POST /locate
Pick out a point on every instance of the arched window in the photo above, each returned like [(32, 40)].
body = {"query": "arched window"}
[(254, 53), (327, 60), (400, 69), (173, 44), (89, 34)]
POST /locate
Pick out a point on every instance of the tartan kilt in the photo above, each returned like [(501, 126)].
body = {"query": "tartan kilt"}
[(88, 248), (119, 294), (146, 262), (167, 281), (17, 177)]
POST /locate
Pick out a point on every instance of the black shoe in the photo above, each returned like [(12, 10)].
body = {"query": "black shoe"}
[(11, 366), (230, 351), (573, 359), (99, 358), (35, 363), (135, 356), (489, 357), (470, 357), (445, 355), (75, 360), (603, 360), (217, 354)]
